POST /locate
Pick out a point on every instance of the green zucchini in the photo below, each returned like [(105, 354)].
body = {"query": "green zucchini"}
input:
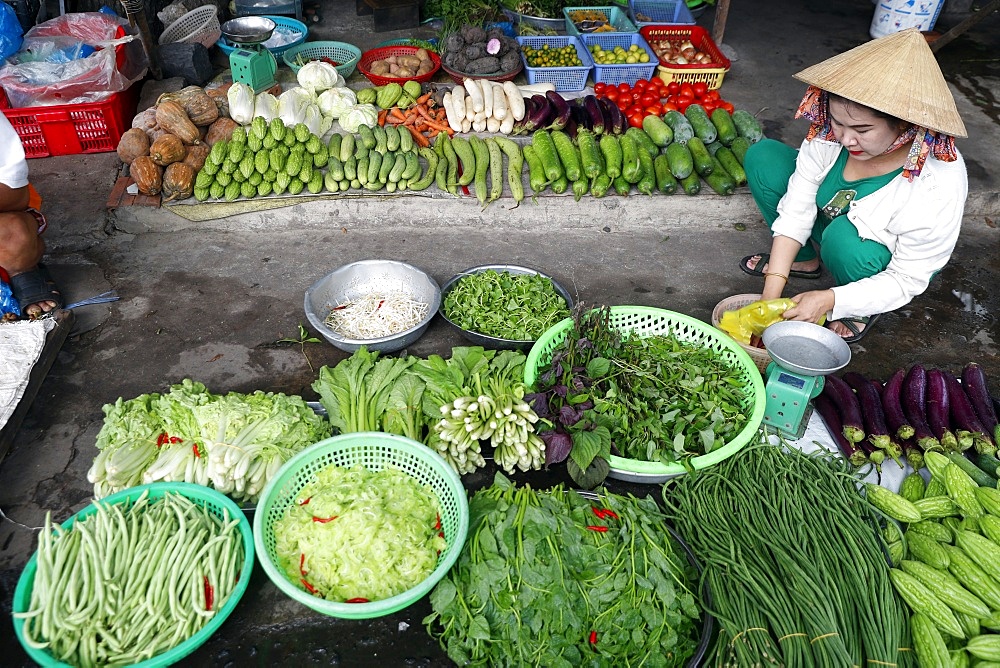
[(724, 126), (731, 165), (703, 163), (701, 123), (747, 126), (665, 181), (680, 161), (691, 183), (612, 151)]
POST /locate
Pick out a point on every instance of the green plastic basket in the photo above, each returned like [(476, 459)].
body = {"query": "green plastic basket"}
[(218, 504), (649, 321), (375, 451), (346, 54)]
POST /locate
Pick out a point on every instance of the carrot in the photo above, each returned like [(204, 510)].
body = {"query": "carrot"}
[(432, 122), (423, 98), (418, 137), (395, 112), (382, 116)]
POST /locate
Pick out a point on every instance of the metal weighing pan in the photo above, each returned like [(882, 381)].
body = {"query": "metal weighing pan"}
[(248, 30), (806, 348)]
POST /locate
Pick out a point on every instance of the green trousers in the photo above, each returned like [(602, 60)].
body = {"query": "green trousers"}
[(769, 165)]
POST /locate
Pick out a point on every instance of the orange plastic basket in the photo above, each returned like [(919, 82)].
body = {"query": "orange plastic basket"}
[(760, 357), (711, 74), (383, 52)]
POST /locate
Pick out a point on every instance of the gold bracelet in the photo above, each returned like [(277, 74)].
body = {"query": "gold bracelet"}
[(774, 273)]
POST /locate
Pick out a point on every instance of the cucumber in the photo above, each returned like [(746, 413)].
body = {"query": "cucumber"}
[(374, 166), (647, 178), (622, 187), (612, 151), (702, 124), (630, 159), (747, 126), (739, 148), (590, 154), (703, 163), (412, 167), (680, 161), (679, 125), (406, 140), (731, 165), (665, 181), (335, 168), (658, 131), (392, 137), (560, 185), (467, 159), (536, 172), (381, 139), (691, 183), (600, 185), (643, 141), (388, 163), (724, 126), (366, 136), (567, 154), (546, 149), (351, 168), (362, 171), (398, 165)]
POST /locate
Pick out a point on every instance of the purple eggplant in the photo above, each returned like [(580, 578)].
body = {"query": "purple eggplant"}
[(831, 416), (602, 104), (871, 409), (593, 108), (847, 403), (560, 108), (912, 452), (974, 382), (539, 116), (939, 410), (913, 395), (964, 419), (892, 407), (618, 122)]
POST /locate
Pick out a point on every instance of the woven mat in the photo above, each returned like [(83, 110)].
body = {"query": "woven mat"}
[(21, 344), (214, 210)]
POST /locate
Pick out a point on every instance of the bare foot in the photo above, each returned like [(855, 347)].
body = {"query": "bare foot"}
[(811, 265), (841, 329)]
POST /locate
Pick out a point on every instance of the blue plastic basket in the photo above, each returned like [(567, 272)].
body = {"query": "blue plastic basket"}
[(627, 73), (650, 12), (565, 78), (282, 23), (616, 16)]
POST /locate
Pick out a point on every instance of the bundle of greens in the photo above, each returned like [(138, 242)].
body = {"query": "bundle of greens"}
[(793, 561), (233, 442), (555, 579), (650, 398)]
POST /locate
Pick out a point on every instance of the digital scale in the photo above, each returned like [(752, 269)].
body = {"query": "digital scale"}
[(251, 63), (803, 354)]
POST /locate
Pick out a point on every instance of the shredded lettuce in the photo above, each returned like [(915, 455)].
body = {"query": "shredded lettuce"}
[(358, 534)]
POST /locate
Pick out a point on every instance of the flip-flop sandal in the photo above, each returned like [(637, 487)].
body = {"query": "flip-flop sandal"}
[(852, 324), (34, 287), (764, 257)]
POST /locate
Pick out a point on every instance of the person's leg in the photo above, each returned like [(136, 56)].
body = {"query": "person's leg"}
[(21, 249), (850, 258), (769, 164)]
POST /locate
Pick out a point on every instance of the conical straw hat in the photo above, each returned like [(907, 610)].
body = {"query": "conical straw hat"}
[(896, 74)]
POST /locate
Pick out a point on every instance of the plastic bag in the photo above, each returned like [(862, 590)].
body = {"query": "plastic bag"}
[(11, 32), (7, 302), (752, 319), (118, 61)]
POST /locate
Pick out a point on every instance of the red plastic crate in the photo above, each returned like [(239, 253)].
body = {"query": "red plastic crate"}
[(712, 74), (71, 129)]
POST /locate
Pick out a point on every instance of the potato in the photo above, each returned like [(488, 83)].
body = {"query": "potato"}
[(391, 60), (394, 69), (421, 54), (380, 67), (404, 72), (425, 67), (408, 61)]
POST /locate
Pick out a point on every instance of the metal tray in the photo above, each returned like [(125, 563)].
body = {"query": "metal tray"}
[(806, 348), (558, 25), (493, 341)]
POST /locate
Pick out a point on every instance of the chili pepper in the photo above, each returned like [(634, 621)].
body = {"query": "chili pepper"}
[(306, 502), (209, 594), (194, 446), (380, 302), (610, 513), (309, 587), (356, 600), (302, 564), (599, 529), (593, 637), (176, 439), (441, 534), (437, 525), (324, 520), (161, 439)]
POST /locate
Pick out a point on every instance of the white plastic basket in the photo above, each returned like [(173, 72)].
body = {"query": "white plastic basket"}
[(199, 25)]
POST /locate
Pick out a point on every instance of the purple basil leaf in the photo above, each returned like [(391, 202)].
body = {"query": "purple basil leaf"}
[(578, 384), (585, 406), (539, 403), (557, 447), (561, 390), (568, 416), (546, 378)]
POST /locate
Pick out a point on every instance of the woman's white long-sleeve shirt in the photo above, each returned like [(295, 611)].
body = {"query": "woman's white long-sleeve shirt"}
[(917, 221)]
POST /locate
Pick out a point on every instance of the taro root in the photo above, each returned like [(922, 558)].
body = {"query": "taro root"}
[(487, 65)]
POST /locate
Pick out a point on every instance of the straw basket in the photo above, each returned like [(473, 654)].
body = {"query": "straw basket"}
[(759, 356), (199, 25)]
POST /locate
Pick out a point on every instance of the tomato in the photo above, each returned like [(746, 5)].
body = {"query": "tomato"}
[(640, 85), (600, 87), (648, 99), (687, 97), (728, 106), (683, 103), (699, 88), (673, 88), (687, 89), (669, 106), (634, 109), (709, 106), (660, 86), (635, 120), (655, 109), (712, 95), (624, 88), (623, 103), (611, 93)]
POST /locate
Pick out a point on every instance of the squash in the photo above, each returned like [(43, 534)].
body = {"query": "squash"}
[(196, 156), (167, 149), (171, 117), (220, 129), (133, 144), (199, 107), (220, 95), (178, 181), (148, 175)]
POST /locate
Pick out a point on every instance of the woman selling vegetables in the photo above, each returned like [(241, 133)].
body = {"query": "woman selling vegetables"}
[(877, 187)]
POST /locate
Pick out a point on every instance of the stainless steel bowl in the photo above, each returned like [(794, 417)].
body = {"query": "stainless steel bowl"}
[(248, 29), (493, 341), (358, 279)]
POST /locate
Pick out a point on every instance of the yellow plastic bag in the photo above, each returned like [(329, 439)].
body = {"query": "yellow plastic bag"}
[(753, 319)]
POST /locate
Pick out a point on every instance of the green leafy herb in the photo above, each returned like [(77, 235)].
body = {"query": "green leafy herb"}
[(555, 579), (304, 338), (517, 307), (356, 391)]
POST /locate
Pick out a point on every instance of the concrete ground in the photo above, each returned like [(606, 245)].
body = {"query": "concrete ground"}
[(211, 300)]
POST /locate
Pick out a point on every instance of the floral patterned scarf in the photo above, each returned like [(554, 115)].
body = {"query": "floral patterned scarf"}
[(923, 142)]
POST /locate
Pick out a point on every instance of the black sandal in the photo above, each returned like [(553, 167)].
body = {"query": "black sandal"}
[(852, 324), (35, 287), (764, 257)]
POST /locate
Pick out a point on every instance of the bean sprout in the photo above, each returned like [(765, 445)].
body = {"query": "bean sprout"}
[(376, 315)]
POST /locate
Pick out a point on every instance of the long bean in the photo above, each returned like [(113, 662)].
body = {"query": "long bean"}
[(128, 582)]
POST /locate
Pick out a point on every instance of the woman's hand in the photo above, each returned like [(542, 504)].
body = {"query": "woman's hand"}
[(810, 306)]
